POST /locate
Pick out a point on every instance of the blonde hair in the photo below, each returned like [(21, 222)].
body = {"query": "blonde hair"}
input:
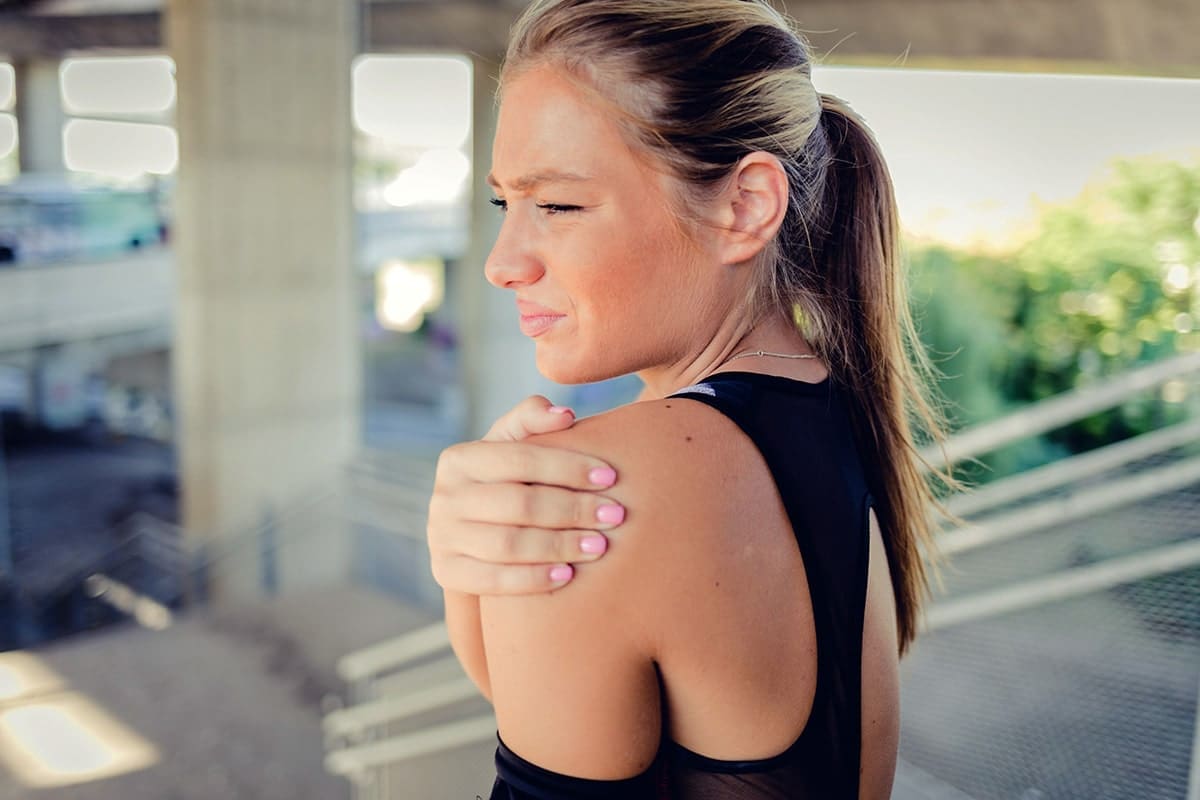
[(699, 84)]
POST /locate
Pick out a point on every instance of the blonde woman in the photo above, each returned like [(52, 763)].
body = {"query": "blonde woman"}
[(682, 204)]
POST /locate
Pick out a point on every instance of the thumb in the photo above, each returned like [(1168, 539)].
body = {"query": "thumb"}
[(531, 416)]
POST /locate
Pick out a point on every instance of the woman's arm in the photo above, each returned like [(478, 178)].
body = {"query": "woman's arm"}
[(573, 673), (494, 530), (466, 637)]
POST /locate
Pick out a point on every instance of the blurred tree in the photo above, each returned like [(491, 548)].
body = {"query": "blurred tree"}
[(1106, 282)]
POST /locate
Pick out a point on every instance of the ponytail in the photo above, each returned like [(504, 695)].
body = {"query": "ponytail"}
[(866, 335)]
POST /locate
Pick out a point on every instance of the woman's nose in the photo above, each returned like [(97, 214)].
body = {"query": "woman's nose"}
[(512, 262)]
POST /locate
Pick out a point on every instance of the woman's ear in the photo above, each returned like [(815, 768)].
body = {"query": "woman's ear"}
[(751, 207)]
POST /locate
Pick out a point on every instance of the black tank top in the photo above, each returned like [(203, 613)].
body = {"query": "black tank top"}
[(803, 433)]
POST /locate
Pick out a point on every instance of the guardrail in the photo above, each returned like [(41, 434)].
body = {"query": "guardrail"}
[(1063, 409)]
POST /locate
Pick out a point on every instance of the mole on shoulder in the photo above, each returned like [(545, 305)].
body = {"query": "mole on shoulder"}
[(668, 405), (687, 438)]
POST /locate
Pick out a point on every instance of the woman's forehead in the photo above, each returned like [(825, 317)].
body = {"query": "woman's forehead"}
[(550, 128)]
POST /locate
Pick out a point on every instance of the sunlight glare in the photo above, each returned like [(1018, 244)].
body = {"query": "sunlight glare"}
[(438, 178), (65, 739), (405, 291), (25, 675), (55, 738)]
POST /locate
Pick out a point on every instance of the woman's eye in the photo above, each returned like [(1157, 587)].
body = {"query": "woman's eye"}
[(557, 208), (550, 208)]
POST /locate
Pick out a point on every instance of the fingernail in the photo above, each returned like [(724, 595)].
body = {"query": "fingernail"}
[(594, 544), (562, 573), (602, 476), (559, 410), (612, 514)]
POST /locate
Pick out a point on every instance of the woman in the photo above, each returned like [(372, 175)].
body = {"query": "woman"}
[(680, 203)]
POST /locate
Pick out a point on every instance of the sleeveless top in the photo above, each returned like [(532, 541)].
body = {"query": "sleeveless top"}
[(803, 434)]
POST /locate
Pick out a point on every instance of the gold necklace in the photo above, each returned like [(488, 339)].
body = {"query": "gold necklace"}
[(761, 353)]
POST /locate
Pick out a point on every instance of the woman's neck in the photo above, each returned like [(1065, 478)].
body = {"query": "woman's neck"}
[(774, 334)]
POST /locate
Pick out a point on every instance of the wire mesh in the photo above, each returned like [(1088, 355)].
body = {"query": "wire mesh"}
[(1165, 519), (1092, 697)]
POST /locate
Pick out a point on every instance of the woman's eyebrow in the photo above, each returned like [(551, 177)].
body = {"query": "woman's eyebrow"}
[(528, 182)]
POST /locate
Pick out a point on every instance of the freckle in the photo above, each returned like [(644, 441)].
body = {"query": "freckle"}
[(717, 583), (668, 405), (688, 438)]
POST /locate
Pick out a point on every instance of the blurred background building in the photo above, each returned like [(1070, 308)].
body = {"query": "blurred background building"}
[(242, 309)]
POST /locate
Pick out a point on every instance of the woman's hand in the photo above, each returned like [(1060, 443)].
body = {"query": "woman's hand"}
[(509, 517)]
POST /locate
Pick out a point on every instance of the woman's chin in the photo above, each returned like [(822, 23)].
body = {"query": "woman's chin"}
[(570, 372)]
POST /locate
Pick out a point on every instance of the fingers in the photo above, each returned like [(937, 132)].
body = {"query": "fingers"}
[(533, 506), (514, 579), (520, 462), (515, 544), (531, 416), (510, 517)]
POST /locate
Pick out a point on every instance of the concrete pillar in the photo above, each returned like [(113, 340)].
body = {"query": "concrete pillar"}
[(498, 360), (266, 363), (40, 116)]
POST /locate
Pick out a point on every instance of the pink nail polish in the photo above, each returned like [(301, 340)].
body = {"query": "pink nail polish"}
[(561, 573), (602, 476), (594, 544), (611, 514), (559, 410)]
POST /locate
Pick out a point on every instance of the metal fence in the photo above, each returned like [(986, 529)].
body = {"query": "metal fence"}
[(1062, 658)]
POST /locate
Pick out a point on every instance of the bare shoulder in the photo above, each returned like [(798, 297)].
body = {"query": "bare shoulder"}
[(700, 506), (677, 460), (604, 629), (644, 425), (707, 555)]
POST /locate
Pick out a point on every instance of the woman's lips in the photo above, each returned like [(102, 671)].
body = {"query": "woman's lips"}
[(536, 319), (535, 325)]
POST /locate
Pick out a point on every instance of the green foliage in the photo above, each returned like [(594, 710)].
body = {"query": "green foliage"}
[(1107, 282)]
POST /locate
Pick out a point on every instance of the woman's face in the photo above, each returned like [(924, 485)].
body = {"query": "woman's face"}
[(606, 281)]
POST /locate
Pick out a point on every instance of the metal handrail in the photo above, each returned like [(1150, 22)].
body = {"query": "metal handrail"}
[(355, 761), (144, 525), (353, 721), (1078, 505), (394, 653), (1054, 412), (1075, 468), (1065, 584)]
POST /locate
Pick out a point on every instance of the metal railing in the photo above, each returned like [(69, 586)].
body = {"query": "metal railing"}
[(1069, 628)]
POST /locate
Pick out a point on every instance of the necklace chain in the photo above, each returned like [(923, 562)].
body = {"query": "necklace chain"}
[(762, 353)]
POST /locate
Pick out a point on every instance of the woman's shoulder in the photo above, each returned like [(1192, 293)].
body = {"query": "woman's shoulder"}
[(608, 627), (684, 469), (669, 438), (702, 577)]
